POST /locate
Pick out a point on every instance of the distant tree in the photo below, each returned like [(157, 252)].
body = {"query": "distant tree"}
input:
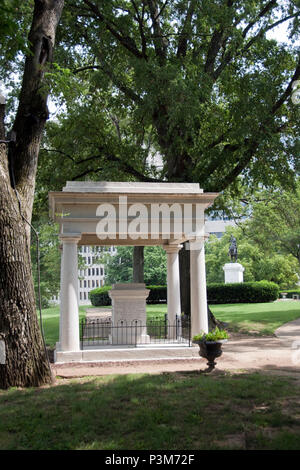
[(49, 261), (269, 265), (119, 267), (200, 82), (275, 222)]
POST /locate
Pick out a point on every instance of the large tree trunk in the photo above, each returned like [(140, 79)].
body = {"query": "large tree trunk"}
[(138, 264), (25, 357), (25, 362), (185, 293)]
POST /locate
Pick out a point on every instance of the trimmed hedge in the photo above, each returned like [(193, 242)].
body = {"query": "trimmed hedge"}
[(99, 297), (290, 293), (158, 294), (247, 292)]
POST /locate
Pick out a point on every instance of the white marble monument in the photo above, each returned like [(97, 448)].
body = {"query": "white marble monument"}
[(107, 213)]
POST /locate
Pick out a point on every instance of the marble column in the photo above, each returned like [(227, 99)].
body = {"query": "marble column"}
[(69, 314), (199, 317), (173, 284)]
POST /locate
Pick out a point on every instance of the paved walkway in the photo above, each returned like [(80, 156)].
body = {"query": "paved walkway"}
[(289, 333), (280, 353)]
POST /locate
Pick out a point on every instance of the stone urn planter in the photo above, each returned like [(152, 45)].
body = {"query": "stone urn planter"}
[(210, 346)]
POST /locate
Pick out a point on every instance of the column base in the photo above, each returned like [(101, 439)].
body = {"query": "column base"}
[(67, 356)]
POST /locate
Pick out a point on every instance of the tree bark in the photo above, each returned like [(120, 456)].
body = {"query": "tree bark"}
[(138, 264), (25, 362), (185, 293)]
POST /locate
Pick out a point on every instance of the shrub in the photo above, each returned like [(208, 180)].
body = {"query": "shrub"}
[(158, 294), (99, 296), (214, 335), (247, 292), (290, 293)]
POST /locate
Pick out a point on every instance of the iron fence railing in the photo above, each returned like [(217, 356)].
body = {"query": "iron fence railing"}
[(98, 332)]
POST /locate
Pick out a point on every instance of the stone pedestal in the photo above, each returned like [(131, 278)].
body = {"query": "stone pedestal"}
[(233, 272), (129, 313)]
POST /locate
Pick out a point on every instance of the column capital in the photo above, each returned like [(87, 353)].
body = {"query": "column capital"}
[(197, 243), (172, 248), (70, 237)]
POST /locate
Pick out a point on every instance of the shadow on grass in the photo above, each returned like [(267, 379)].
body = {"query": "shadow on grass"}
[(182, 410)]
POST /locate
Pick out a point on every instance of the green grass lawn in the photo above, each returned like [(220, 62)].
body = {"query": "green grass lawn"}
[(50, 317), (262, 318), (171, 411)]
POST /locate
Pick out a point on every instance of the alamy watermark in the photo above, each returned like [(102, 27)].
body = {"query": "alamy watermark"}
[(150, 221)]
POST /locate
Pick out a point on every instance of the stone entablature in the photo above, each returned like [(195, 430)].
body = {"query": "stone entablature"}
[(75, 208)]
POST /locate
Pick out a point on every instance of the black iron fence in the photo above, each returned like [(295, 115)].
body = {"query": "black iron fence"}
[(98, 332)]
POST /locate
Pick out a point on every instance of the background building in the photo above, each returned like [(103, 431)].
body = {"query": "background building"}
[(93, 274), (218, 226)]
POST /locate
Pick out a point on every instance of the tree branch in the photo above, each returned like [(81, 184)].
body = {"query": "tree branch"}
[(76, 162), (140, 20), (236, 53), (126, 41), (288, 91), (183, 37), (160, 44), (32, 111), (129, 169), (269, 7), (116, 80)]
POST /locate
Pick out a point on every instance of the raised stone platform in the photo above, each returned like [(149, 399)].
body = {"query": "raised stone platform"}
[(121, 353)]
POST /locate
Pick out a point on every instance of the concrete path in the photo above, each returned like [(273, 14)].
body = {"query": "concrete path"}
[(289, 333)]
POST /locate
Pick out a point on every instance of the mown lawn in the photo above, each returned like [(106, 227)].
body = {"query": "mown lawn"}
[(169, 411), (262, 318), (50, 317)]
